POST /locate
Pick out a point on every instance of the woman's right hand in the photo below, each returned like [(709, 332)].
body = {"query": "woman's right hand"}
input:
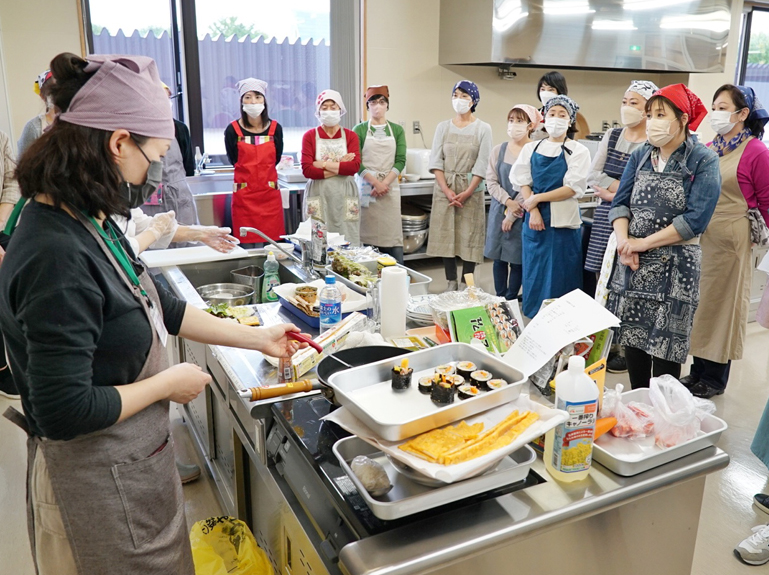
[(185, 382), (536, 222), (507, 225), (630, 261)]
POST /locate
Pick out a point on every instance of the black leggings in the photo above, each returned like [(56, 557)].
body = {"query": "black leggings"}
[(450, 266), (641, 367)]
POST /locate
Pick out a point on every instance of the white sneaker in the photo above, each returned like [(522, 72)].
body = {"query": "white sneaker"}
[(755, 549), (452, 285)]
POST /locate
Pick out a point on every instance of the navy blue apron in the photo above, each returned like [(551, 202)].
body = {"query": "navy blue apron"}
[(602, 229), (552, 259), (505, 246)]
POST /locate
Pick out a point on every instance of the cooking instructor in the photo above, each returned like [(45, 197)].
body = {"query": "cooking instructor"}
[(86, 328)]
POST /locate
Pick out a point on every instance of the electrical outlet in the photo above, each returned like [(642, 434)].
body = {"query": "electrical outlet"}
[(417, 127)]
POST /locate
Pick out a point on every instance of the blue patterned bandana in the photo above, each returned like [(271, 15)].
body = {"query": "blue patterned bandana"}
[(471, 89), (757, 111), (565, 102)]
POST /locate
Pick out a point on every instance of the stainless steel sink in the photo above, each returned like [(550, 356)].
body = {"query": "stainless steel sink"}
[(219, 272)]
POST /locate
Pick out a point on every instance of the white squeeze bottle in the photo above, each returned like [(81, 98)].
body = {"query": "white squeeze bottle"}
[(569, 447)]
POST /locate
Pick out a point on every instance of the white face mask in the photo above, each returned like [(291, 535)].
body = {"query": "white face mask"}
[(545, 96), (556, 127), (517, 131), (461, 106), (719, 121), (630, 116), (330, 118), (253, 110), (658, 132)]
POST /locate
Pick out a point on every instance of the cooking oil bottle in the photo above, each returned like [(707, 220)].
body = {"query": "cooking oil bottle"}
[(569, 447)]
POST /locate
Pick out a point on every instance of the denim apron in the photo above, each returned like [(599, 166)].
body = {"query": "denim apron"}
[(602, 229), (505, 246), (552, 259), (656, 303)]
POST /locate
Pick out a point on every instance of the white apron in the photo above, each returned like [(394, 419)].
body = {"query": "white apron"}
[(381, 224)]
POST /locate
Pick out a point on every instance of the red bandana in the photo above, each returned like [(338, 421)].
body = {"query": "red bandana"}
[(686, 101)]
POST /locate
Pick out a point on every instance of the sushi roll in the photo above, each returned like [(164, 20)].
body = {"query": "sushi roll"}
[(457, 380), (465, 368), (402, 375), (443, 392), (425, 384), (496, 384), (468, 391), (480, 379), (446, 369)]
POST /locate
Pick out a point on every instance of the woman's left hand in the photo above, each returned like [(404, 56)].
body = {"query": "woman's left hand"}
[(530, 203), (348, 157), (276, 343), (218, 238)]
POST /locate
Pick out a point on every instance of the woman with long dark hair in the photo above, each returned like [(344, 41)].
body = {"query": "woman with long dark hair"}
[(86, 326)]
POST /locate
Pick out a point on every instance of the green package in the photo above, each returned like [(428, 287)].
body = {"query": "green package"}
[(474, 324)]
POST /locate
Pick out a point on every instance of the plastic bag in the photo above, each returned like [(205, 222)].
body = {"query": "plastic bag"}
[(634, 420), (225, 546), (677, 414)]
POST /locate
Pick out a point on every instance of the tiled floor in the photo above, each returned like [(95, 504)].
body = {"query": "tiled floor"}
[(727, 513)]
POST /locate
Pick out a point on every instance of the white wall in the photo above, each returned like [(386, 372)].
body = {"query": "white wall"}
[(402, 52), (32, 33)]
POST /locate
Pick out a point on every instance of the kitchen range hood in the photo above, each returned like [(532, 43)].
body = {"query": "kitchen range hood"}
[(643, 35)]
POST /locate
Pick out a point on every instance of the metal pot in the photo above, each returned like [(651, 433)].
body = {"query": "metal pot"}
[(231, 294), (250, 276)]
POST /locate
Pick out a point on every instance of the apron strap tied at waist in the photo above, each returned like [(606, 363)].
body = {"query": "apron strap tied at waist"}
[(15, 416)]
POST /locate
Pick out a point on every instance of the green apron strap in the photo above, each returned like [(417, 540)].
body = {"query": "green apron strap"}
[(11, 224)]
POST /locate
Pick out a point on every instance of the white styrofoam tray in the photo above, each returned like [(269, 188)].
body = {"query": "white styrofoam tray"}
[(629, 457), (183, 256), (395, 415), (408, 497)]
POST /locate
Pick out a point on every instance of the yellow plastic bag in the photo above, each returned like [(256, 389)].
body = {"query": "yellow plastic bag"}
[(225, 546)]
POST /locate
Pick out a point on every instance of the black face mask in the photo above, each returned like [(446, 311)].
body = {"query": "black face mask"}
[(134, 194)]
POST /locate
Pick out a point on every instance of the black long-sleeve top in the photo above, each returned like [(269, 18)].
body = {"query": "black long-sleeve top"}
[(73, 329), (231, 141), (182, 133)]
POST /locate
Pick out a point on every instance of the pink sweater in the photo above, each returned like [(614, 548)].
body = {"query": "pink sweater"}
[(752, 177)]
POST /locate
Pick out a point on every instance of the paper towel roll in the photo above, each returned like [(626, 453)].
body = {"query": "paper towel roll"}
[(394, 297)]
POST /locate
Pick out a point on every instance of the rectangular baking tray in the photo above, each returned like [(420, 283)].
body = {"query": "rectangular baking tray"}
[(418, 282), (628, 457), (408, 497), (366, 391)]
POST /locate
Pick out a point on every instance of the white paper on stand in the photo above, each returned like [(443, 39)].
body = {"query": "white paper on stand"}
[(564, 321), (548, 419)]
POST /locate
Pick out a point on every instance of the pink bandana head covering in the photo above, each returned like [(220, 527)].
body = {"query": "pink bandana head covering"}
[(329, 95), (533, 114), (124, 93)]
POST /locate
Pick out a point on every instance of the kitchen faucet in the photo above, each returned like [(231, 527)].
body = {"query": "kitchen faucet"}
[(305, 263)]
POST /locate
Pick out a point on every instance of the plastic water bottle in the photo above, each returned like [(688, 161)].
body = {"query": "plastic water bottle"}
[(271, 279), (569, 447), (330, 305)]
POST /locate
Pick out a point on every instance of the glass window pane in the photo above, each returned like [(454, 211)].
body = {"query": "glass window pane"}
[(757, 70), (140, 27), (285, 43)]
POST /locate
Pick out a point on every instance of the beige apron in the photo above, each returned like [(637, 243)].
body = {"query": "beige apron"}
[(458, 231), (380, 222), (334, 200), (118, 491), (722, 317)]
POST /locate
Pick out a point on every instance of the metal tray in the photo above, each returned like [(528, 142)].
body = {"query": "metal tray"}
[(408, 497), (612, 452), (367, 393), (417, 286)]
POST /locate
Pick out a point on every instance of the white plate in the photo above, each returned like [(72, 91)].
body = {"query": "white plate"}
[(420, 305)]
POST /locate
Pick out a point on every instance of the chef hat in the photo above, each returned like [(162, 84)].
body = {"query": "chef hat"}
[(42, 79), (686, 101), (329, 95), (643, 88), (252, 85), (123, 93), (533, 114), (471, 89), (565, 102)]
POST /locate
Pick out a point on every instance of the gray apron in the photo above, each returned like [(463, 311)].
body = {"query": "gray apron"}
[(656, 303), (504, 246), (381, 223), (458, 231), (175, 193), (118, 489), (334, 200)]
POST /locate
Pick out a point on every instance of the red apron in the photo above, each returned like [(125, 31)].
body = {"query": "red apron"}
[(256, 199)]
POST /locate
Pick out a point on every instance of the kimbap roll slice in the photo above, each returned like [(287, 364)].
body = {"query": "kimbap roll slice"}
[(446, 369), (401, 378), (442, 392), (496, 384), (425, 384), (480, 379), (468, 391), (457, 380), (465, 368)]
